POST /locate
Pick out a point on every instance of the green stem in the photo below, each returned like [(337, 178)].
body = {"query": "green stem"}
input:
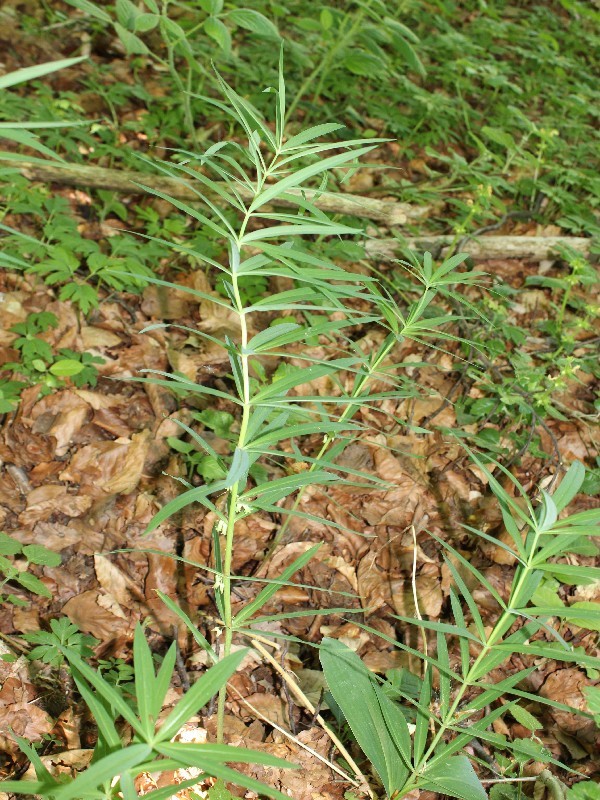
[(497, 632), (234, 491), (345, 416), (322, 67)]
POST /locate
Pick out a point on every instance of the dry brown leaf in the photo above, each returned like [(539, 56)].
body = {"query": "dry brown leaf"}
[(105, 468), (61, 415), (18, 709), (49, 499), (115, 582), (98, 338), (566, 686), (92, 612), (313, 781)]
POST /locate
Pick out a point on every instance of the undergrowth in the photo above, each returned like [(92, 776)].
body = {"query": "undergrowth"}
[(299, 368)]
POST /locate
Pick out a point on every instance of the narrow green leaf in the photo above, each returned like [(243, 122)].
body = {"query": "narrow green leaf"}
[(572, 574), (199, 638), (569, 486), (199, 694), (216, 768), (423, 715), (270, 589), (37, 71), (106, 769), (298, 178), (197, 495), (110, 694), (309, 134), (106, 725), (163, 681)]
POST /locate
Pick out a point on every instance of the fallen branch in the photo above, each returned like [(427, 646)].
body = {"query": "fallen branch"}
[(535, 248), (386, 212)]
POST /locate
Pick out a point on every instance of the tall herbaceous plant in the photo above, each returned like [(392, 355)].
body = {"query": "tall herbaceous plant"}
[(325, 304)]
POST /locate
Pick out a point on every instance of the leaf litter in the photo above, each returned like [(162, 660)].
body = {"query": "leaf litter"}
[(81, 473)]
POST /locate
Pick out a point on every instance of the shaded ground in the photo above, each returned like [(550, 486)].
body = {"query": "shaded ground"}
[(84, 469)]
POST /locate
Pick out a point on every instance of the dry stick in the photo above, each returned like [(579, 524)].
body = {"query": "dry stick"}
[(482, 247), (294, 739), (386, 212), (297, 691)]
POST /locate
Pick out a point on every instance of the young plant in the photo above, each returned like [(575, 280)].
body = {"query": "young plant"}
[(39, 365), (22, 132), (15, 559), (178, 51), (429, 756), (115, 765)]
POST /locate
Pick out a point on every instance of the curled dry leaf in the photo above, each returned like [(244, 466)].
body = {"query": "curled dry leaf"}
[(69, 763), (97, 613), (48, 500), (60, 415), (566, 686), (105, 468)]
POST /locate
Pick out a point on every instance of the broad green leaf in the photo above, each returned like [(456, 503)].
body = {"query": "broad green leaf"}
[(38, 554), (33, 584), (364, 64), (592, 694), (253, 21), (92, 9), (353, 689), (66, 367), (524, 718), (410, 56), (133, 44), (455, 777), (499, 136), (145, 22), (8, 545)]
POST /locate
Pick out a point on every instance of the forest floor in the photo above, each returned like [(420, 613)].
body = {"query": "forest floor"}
[(86, 463)]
